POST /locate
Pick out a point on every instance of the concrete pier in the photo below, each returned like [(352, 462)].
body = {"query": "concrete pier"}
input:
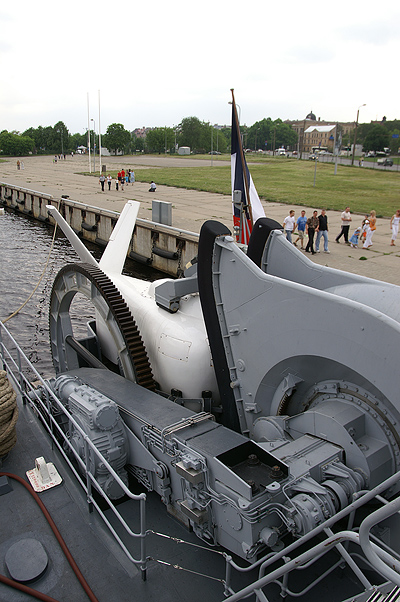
[(191, 208)]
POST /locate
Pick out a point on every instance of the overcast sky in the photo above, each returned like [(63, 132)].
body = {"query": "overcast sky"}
[(156, 62)]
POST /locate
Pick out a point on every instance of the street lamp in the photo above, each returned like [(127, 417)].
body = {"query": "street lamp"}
[(62, 144), (355, 133), (255, 143), (94, 145)]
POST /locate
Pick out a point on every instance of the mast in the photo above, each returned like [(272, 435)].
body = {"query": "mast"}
[(247, 203)]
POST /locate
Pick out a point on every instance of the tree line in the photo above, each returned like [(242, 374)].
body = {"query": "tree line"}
[(200, 136)]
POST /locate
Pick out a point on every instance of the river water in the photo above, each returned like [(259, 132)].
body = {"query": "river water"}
[(24, 249)]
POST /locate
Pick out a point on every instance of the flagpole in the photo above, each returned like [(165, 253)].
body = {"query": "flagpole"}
[(99, 138), (88, 131), (246, 182)]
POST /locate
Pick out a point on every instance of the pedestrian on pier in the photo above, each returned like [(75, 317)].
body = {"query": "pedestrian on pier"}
[(346, 219), (394, 224), (311, 227)]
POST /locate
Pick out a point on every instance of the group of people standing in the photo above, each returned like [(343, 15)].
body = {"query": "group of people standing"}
[(122, 178), (316, 224), (363, 232)]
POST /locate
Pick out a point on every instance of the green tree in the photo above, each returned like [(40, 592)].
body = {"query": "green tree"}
[(15, 145), (116, 138), (137, 144), (269, 135), (377, 139), (220, 142), (60, 138), (76, 140), (158, 140), (191, 133)]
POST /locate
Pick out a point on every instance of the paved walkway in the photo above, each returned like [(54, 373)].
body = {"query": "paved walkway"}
[(191, 208)]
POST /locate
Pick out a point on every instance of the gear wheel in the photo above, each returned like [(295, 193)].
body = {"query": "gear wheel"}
[(110, 306)]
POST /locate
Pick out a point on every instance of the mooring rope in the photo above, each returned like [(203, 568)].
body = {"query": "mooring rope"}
[(37, 285), (8, 415)]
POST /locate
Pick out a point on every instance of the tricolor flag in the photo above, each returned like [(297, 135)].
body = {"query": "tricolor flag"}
[(247, 208)]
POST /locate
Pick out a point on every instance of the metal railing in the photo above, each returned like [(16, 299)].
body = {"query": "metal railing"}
[(378, 556), (47, 406)]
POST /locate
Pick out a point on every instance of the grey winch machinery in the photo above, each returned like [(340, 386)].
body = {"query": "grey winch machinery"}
[(305, 411)]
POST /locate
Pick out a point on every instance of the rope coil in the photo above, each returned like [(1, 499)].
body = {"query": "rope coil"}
[(8, 415)]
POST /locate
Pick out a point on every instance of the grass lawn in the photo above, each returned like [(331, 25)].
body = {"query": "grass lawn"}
[(291, 181)]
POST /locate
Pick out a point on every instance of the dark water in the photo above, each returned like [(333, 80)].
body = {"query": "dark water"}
[(24, 248)]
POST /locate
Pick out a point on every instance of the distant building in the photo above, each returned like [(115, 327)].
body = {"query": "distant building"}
[(141, 132), (301, 126), (319, 136)]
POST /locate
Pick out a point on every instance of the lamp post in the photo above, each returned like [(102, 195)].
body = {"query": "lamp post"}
[(94, 145), (355, 133), (62, 144), (255, 143)]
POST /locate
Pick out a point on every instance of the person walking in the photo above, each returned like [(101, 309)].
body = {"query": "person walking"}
[(109, 180), (322, 231), (311, 227), (394, 224), (346, 219), (370, 230), (102, 179), (289, 223), (301, 229)]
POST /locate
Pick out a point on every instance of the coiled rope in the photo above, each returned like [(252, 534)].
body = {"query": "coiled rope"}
[(8, 415)]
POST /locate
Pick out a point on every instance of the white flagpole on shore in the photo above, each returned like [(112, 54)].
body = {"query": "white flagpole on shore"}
[(88, 132), (99, 138)]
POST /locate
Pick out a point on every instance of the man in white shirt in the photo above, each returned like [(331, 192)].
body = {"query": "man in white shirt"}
[(289, 224), (346, 219)]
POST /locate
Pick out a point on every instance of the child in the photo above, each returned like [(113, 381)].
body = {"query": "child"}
[(354, 239), (364, 227)]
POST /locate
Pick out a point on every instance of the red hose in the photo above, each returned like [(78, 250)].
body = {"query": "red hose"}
[(60, 540), (26, 589)]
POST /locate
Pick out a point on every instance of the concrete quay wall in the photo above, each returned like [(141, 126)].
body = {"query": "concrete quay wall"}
[(164, 248)]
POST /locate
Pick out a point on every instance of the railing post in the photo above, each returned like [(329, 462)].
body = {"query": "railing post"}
[(88, 479), (143, 559)]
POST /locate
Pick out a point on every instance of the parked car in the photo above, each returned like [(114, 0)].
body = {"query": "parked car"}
[(385, 161), (370, 154)]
